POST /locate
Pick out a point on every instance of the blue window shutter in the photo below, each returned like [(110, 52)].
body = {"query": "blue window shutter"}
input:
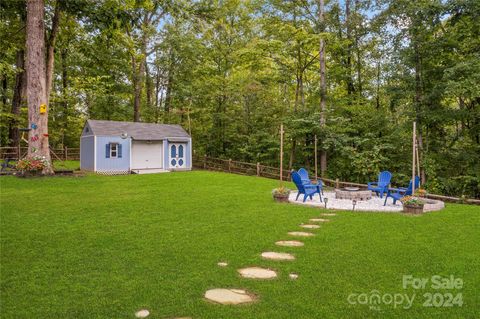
[(119, 150), (107, 150)]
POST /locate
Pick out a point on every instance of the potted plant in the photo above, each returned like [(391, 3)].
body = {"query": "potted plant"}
[(31, 166), (412, 205), (281, 194), (420, 192)]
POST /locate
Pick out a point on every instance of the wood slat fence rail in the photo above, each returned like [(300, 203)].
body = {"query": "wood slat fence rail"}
[(64, 154), (243, 168)]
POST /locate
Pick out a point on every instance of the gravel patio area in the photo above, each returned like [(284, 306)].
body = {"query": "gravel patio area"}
[(373, 205)]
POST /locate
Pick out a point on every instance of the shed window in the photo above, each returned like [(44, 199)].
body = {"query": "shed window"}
[(113, 150)]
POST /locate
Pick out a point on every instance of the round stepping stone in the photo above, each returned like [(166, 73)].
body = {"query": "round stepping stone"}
[(300, 234), (293, 276), (142, 313), (329, 214), (319, 220), (257, 273), (277, 256), (309, 226), (222, 264), (229, 296), (289, 243)]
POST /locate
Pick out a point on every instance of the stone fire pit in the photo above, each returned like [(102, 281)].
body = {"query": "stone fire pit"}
[(353, 193)]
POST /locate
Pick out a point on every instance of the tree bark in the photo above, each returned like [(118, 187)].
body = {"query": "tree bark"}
[(323, 83), (348, 22), (51, 48), (138, 74), (18, 99), (64, 92), (36, 83)]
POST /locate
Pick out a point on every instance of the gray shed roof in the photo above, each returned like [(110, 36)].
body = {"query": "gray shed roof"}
[(137, 130)]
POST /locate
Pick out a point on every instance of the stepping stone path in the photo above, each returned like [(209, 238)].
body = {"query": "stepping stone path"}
[(229, 296), (319, 220), (277, 256), (309, 226), (300, 233), (257, 273), (142, 313), (289, 243), (238, 296)]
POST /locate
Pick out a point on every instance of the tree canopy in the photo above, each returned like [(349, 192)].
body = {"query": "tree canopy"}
[(231, 71)]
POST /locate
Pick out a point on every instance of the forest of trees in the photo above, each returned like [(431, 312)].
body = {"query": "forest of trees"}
[(355, 73)]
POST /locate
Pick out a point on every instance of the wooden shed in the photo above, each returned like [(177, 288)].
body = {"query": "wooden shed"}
[(113, 147)]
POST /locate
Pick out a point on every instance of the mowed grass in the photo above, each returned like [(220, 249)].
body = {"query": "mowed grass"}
[(107, 246)]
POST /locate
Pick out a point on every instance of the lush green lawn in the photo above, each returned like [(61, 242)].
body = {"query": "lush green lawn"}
[(105, 247)]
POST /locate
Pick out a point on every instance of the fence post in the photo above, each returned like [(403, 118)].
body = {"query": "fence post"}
[(229, 165), (66, 153), (258, 169), (337, 183), (205, 161), (19, 151)]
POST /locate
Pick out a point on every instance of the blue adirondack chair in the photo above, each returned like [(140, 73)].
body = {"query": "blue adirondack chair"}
[(307, 181), (399, 193), (308, 190), (304, 176), (381, 186)]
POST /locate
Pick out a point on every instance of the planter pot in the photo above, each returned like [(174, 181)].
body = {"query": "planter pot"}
[(413, 209), (282, 198)]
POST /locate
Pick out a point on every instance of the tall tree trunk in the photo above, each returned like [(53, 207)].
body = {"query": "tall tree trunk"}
[(148, 86), (169, 89), (51, 48), (357, 49), (377, 89), (36, 84), (4, 90), (348, 22), (64, 55), (323, 83), (18, 99), (137, 86)]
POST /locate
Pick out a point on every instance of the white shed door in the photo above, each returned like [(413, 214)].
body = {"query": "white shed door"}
[(147, 154), (177, 155)]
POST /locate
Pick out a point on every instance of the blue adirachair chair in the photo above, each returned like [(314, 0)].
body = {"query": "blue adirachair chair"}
[(308, 190), (399, 193), (307, 181), (381, 186)]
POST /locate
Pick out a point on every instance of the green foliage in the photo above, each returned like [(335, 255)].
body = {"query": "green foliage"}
[(232, 71)]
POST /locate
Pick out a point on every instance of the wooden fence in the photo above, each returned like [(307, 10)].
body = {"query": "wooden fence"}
[(63, 154), (242, 168)]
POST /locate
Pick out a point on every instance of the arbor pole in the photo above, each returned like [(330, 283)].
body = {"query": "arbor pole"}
[(316, 161), (414, 155), (281, 155)]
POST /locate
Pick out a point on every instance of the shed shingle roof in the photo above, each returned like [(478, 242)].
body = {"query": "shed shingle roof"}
[(137, 130)]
